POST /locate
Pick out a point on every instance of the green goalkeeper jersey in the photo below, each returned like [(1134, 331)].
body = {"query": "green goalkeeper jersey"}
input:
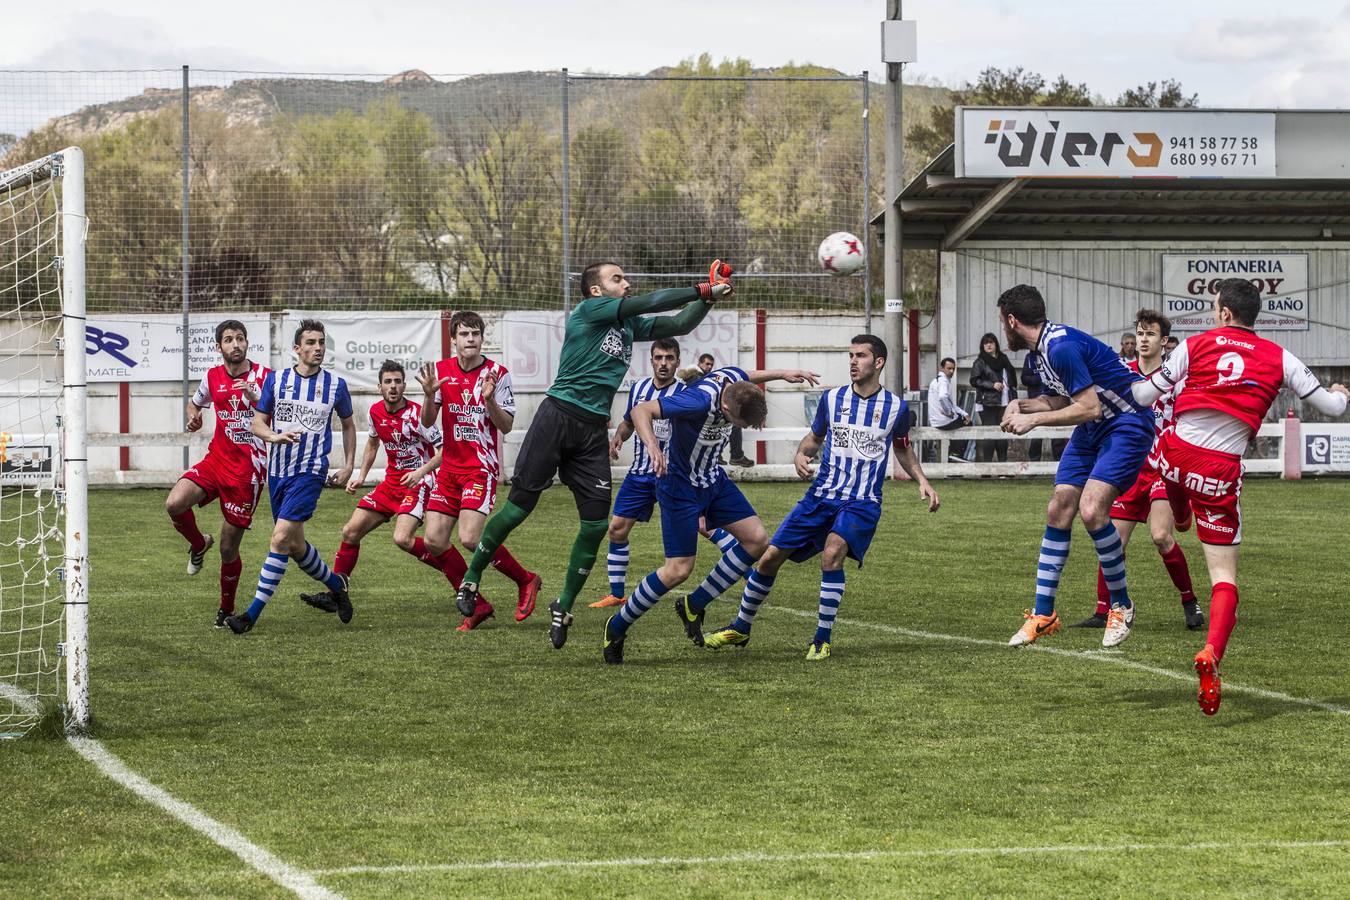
[(598, 342)]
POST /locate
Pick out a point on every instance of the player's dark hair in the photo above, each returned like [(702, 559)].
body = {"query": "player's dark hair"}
[(1242, 298), (667, 344), (707, 356), (873, 343), (391, 365), (746, 402), (1023, 302), (1153, 317), (307, 325), (468, 319), (230, 325), (590, 276), (945, 360)]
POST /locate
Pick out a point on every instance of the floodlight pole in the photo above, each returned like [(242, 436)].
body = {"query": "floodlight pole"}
[(893, 332)]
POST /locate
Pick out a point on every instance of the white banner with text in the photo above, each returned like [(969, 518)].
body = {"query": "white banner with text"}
[(1190, 281), (358, 344), (149, 347)]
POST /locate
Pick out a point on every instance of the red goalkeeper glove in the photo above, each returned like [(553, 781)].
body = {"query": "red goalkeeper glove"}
[(718, 283)]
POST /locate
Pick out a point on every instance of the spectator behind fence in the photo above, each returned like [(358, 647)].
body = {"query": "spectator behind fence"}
[(1127, 347), (692, 374), (1170, 344), (1031, 380), (994, 380), (943, 413)]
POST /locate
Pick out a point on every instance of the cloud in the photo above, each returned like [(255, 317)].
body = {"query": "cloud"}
[(106, 41), (1249, 40)]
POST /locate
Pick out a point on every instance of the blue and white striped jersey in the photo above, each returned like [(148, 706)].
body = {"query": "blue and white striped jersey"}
[(698, 430), (641, 392), (858, 433), (304, 404), (1069, 360)]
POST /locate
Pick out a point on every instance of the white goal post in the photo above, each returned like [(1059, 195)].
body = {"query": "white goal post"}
[(44, 522)]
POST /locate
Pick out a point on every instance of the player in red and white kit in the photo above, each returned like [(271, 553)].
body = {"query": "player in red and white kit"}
[(412, 453), (235, 466), (474, 398), (1226, 380), (1146, 499)]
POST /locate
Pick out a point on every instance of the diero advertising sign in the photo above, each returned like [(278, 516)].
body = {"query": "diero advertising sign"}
[(1082, 143)]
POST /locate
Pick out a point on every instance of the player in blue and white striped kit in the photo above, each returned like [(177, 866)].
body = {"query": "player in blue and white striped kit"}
[(855, 429), (637, 495), (691, 485), (294, 413), (1088, 386)]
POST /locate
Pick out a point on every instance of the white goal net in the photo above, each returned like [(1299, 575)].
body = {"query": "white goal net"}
[(44, 563)]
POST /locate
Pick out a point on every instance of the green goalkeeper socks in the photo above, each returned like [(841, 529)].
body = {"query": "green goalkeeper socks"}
[(584, 550), (494, 535)]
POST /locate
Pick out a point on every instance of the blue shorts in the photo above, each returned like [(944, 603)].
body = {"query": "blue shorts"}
[(294, 497), (636, 498), (719, 505), (1112, 451), (813, 519)]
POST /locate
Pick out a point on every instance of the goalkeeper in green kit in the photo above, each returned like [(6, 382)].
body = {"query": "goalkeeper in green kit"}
[(569, 433)]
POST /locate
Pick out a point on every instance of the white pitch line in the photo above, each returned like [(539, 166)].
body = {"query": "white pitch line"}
[(296, 880), (1113, 658), (820, 856)]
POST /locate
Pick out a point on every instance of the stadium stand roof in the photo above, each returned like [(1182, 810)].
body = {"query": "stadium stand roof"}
[(940, 210)]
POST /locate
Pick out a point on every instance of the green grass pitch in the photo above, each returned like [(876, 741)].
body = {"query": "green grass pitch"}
[(906, 765)]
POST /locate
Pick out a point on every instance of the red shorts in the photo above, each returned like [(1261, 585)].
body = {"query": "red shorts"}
[(455, 491), (1135, 503), (238, 496), (391, 498), (1211, 482)]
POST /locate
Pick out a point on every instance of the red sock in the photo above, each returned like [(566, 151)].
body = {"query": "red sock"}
[(1223, 602), (185, 523), (1175, 560), (450, 562), (1103, 593), (229, 582), (345, 561), (505, 563)]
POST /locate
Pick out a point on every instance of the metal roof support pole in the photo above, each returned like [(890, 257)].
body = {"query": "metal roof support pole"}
[(982, 211)]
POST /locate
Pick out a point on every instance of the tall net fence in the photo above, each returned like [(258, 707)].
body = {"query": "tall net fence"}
[(417, 191)]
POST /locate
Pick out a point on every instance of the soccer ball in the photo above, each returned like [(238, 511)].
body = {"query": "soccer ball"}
[(841, 254)]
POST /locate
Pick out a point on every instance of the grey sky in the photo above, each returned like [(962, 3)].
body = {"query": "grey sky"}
[(1232, 52)]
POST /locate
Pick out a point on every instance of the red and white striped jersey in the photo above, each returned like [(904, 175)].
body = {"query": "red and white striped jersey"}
[(1227, 379), (1163, 414), (471, 442), (233, 445), (407, 443)]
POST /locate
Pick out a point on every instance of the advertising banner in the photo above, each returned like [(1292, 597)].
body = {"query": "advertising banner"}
[(532, 342), (1326, 448), (1118, 143), (28, 460), (358, 344), (1190, 281), (149, 347)]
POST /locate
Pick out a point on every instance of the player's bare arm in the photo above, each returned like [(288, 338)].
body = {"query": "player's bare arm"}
[(500, 417), (621, 434), (261, 426), (194, 417), (791, 376), (807, 448), (1083, 407), (909, 462), (342, 475), (642, 416), (431, 389), (409, 479), (367, 460)]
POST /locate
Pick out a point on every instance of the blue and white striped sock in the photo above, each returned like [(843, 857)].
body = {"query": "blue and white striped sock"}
[(831, 595), (1054, 554), (723, 539), (272, 569), (617, 559), (730, 569), (313, 565), (649, 591), (1111, 554), (757, 587)]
